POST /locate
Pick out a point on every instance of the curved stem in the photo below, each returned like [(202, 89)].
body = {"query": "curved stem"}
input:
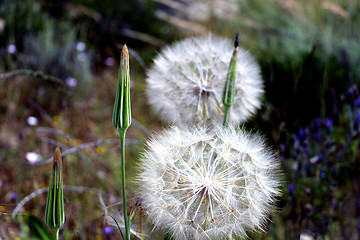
[(126, 221)]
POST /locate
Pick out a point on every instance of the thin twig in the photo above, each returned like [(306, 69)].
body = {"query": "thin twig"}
[(134, 54), (181, 23), (89, 145), (28, 198), (54, 142), (137, 124), (37, 74), (59, 144), (45, 190), (42, 112), (53, 131), (143, 37), (174, 5)]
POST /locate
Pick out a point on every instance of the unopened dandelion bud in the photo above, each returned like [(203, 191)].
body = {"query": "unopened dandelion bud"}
[(229, 89), (54, 212), (122, 108)]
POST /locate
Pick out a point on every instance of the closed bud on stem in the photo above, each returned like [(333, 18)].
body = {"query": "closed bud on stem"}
[(122, 108), (54, 212), (229, 89)]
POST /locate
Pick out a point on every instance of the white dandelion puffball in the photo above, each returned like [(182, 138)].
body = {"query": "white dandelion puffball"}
[(201, 184), (186, 81)]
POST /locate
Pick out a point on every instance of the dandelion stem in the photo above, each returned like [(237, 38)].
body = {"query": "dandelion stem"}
[(122, 121), (126, 220), (226, 111), (56, 233)]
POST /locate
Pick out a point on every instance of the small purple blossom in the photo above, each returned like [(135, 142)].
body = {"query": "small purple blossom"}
[(107, 230), (302, 135), (328, 124), (291, 189), (307, 151), (282, 147), (13, 196), (318, 136), (314, 159), (322, 173), (71, 82), (357, 102), (353, 92), (109, 61), (357, 121), (32, 121), (80, 46), (352, 96), (11, 49)]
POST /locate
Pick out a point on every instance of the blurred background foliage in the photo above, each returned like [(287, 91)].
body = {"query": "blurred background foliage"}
[(59, 63)]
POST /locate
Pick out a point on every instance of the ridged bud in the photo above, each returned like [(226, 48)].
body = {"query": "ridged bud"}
[(54, 212), (122, 108), (229, 89)]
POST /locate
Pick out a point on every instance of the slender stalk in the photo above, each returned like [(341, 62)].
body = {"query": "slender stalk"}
[(122, 121), (126, 220), (226, 111), (56, 233)]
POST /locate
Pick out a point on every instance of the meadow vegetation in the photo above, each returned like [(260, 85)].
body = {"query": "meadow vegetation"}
[(58, 73)]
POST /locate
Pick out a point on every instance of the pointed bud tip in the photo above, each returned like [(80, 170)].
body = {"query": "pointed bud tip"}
[(57, 156), (236, 44), (125, 53)]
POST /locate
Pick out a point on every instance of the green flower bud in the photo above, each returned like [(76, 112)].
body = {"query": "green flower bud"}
[(122, 108), (54, 212), (229, 89)]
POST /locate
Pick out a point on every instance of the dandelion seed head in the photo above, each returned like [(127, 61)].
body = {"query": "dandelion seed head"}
[(186, 81), (208, 184)]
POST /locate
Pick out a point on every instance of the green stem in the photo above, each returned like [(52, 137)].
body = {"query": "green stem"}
[(226, 111), (56, 233), (122, 141)]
